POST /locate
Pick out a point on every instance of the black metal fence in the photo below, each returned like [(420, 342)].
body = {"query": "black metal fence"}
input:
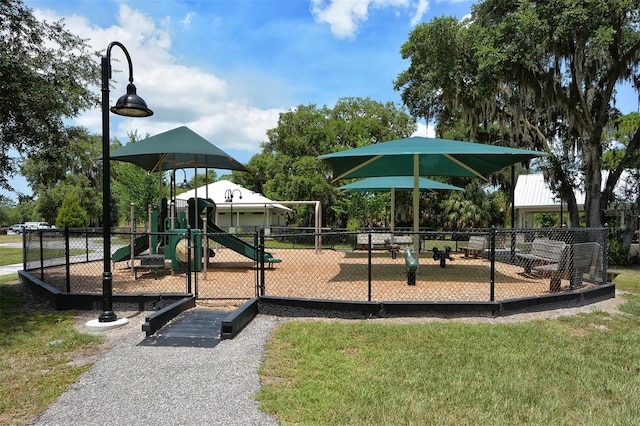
[(429, 266)]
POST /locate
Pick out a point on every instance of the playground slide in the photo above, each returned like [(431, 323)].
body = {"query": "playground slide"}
[(140, 244), (236, 244)]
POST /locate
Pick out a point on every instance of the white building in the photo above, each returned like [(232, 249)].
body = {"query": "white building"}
[(249, 209), (532, 195)]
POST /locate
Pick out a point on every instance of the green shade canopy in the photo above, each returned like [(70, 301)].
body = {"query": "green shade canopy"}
[(399, 183), (435, 157), (176, 149), (420, 156)]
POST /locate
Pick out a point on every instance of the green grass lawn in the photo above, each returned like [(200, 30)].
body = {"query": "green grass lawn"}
[(574, 370), (13, 238), (12, 255), (36, 351), (628, 280)]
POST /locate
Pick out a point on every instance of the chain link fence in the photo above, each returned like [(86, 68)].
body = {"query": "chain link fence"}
[(469, 266), (509, 264)]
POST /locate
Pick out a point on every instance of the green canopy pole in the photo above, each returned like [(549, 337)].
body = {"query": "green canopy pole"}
[(393, 214), (416, 207)]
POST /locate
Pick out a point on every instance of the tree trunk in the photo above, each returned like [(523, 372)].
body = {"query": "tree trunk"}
[(573, 215), (592, 153), (631, 223)]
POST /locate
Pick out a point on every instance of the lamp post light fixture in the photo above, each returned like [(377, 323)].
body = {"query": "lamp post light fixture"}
[(228, 197), (129, 105), (185, 184)]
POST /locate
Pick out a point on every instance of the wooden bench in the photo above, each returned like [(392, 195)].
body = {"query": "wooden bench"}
[(477, 245), (403, 239), (575, 261), (377, 239), (543, 252), (382, 240)]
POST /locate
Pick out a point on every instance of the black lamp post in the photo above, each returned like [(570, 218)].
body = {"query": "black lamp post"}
[(129, 105), (228, 195)]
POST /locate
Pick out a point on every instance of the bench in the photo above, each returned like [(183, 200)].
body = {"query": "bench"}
[(382, 239), (151, 262), (575, 261), (542, 252), (403, 239), (476, 245)]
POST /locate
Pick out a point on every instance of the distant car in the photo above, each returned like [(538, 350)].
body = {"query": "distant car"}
[(18, 229), (35, 226)]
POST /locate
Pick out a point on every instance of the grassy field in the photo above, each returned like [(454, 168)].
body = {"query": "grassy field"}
[(36, 351), (13, 255), (573, 370), (13, 238)]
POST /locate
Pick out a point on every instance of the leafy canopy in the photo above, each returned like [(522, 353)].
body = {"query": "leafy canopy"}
[(540, 74), (45, 72), (287, 168)]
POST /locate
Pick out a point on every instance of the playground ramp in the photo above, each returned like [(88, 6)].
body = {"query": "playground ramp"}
[(236, 244)]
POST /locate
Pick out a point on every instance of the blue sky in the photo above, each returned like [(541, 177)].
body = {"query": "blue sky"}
[(228, 68)]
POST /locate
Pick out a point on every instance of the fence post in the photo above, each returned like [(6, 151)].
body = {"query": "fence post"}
[(492, 255), (41, 255), (261, 254), (197, 242), (513, 246), (256, 244), (369, 269), (189, 259), (24, 250), (67, 258)]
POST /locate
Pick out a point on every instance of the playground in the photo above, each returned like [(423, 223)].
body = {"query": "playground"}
[(184, 252), (328, 275)]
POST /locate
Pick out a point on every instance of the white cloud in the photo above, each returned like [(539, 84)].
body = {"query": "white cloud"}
[(424, 130), (343, 16), (186, 21), (179, 95), (423, 6)]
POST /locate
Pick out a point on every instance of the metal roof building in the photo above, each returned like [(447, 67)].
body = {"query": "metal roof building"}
[(532, 195)]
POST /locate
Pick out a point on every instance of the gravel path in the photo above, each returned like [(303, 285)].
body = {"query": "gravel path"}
[(143, 385)]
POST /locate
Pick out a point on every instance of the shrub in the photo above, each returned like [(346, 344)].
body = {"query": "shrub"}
[(71, 213), (620, 255)]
